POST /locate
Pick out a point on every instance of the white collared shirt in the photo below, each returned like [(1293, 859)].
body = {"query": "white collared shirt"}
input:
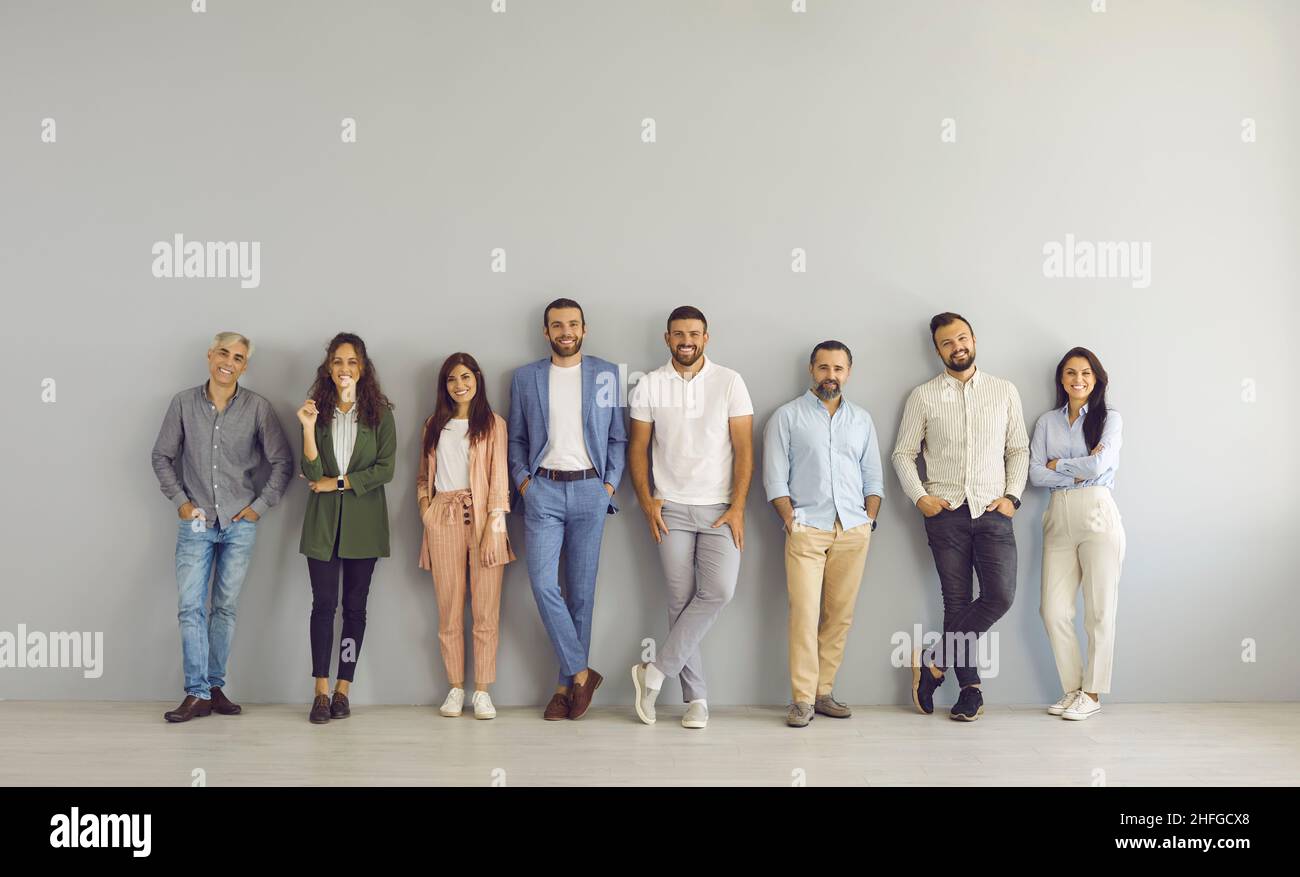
[(691, 451), (343, 430)]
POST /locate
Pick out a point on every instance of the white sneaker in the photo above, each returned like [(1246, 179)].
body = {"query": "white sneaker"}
[(1064, 703), (645, 695), (697, 715), (451, 707), (1084, 707), (483, 708)]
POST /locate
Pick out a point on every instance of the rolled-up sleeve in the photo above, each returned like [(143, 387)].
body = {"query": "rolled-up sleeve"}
[(776, 455)]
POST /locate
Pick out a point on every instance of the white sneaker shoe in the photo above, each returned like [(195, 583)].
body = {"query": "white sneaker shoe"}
[(645, 695), (455, 701), (1064, 703), (697, 715), (1084, 707), (483, 708)]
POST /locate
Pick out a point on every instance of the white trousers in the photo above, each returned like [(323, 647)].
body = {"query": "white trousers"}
[(1083, 546)]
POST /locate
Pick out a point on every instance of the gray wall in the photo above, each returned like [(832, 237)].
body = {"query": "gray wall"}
[(775, 130)]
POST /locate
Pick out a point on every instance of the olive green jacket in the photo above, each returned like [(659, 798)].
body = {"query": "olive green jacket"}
[(363, 507)]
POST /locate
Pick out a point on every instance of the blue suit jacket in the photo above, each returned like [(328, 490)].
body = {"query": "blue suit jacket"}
[(603, 429)]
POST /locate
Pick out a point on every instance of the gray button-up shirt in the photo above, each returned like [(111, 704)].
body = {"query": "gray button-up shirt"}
[(220, 452)]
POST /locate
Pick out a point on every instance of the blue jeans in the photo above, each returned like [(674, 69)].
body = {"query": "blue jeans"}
[(568, 515), (206, 637), (987, 546)]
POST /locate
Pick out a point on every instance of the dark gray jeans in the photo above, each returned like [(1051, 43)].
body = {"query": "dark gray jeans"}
[(961, 545)]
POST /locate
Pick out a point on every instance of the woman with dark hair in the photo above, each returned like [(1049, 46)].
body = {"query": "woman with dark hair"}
[(464, 493), (1075, 452), (349, 444)]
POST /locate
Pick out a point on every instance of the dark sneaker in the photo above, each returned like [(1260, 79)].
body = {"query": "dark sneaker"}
[(969, 705), (924, 685)]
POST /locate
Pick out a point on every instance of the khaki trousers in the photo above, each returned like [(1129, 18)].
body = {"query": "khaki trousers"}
[(823, 569)]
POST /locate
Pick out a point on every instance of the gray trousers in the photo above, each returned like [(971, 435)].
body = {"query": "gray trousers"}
[(701, 566)]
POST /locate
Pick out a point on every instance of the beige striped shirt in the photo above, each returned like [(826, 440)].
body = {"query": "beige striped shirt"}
[(976, 448)]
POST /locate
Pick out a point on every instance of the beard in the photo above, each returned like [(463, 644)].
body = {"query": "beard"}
[(827, 390), (560, 351), (961, 367), (687, 361)]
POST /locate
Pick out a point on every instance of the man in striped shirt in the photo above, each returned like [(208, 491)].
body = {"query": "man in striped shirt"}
[(976, 463)]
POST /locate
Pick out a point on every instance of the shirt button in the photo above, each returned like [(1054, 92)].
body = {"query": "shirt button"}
[(218, 427)]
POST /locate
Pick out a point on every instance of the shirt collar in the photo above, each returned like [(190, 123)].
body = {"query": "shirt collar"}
[(203, 388), (974, 379), (1065, 409), (352, 412), (673, 372)]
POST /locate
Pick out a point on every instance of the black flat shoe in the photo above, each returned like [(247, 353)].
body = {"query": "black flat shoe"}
[(339, 708), (320, 710)]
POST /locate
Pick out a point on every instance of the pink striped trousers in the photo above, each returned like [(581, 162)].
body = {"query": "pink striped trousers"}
[(453, 547)]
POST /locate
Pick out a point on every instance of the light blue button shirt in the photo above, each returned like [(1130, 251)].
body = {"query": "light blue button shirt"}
[(1055, 438), (826, 464)]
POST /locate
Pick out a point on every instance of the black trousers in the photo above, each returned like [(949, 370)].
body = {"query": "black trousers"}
[(356, 573), (961, 545)]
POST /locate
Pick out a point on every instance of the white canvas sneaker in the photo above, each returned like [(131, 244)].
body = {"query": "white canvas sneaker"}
[(1084, 707), (451, 707), (1064, 703), (483, 708)]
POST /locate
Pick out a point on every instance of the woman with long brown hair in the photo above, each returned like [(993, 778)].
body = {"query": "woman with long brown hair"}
[(349, 445), (1075, 452), (464, 493)]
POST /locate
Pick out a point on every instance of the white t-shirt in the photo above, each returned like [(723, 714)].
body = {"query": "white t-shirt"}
[(566, 450), (453, 457), (691, 450)]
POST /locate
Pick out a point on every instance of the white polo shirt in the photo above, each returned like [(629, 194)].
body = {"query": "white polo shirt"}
[(691, 449)]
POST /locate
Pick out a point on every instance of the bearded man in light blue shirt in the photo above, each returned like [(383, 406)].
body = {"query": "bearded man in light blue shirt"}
[(822, 474)]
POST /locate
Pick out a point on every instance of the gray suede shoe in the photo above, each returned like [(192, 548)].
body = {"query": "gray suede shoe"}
[(829, 706), (800, 714), (645, 695)]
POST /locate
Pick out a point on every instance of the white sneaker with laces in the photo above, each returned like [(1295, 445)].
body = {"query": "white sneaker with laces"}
[(455, 701), (1084, 707), (483, 708), (697, 715), (1064, 703)]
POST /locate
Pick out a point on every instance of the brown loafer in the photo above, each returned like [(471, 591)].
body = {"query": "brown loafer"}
[(582, 694), (191, 708), (224, 705), (320, 710), (558, 708), (339, 708)]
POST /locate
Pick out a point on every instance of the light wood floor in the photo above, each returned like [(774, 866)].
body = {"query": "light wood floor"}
[(86, 744)]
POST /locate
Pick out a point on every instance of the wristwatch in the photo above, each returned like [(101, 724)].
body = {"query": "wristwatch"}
[(873, 524), (341, 485), (1014, 501)]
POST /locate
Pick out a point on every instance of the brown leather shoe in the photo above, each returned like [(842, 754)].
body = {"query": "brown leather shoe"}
[(581, 695), (191, 708), (224, 705), (339, 708), (320, 710), (558, 708)]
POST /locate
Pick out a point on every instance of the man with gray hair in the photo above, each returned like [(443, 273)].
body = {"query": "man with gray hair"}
[(213, 440)]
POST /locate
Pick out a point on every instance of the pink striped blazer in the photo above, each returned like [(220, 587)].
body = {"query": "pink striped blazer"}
[(489, 485)]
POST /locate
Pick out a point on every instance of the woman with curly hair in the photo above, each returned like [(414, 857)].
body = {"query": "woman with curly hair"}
[(349, 444)]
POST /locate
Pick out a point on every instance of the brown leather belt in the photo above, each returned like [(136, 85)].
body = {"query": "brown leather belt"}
[(557, 475)]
